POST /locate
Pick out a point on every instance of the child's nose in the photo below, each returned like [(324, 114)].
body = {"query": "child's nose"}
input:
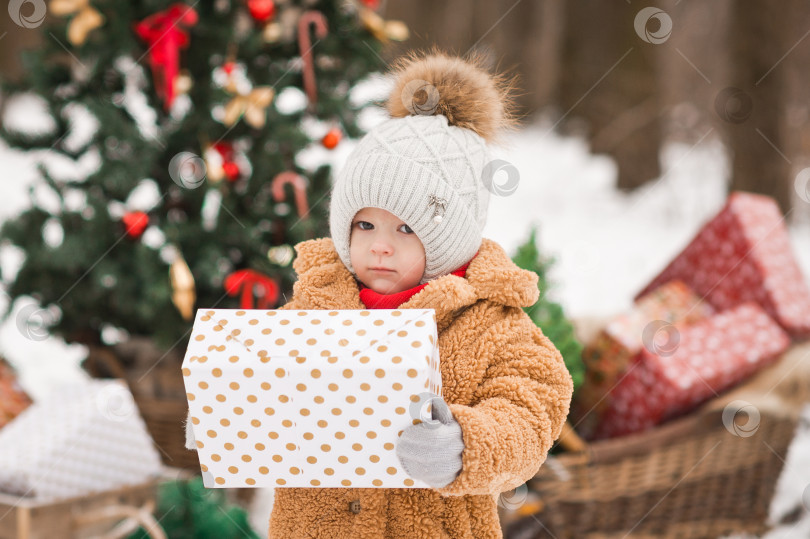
[(381, 248)]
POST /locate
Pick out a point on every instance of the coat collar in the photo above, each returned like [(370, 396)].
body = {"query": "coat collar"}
[(324, 282)]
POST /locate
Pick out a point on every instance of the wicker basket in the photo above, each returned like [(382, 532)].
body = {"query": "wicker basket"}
[(691, 477)]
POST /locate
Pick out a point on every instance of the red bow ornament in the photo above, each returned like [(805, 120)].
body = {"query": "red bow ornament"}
[(166, 32), (250, 281)]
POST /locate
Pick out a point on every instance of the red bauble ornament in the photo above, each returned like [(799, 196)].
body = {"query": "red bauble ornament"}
[(261, 10), (331, 139), (231, 170), (371, 4), (229, 166), (225, 149), (135, 223)]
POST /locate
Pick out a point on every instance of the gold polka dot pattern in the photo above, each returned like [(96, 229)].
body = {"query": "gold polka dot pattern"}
[(307, 398)]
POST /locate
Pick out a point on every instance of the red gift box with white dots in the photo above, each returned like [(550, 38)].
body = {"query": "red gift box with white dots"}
[(612, 351), (711, 356), (744, 254)]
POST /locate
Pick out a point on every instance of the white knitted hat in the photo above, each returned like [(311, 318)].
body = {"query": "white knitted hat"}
[(426, 163)]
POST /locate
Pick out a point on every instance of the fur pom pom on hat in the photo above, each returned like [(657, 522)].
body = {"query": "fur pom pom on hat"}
[(426, 163)]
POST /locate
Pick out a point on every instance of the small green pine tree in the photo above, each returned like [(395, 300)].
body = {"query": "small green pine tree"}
[(548, 315), (188, 510)]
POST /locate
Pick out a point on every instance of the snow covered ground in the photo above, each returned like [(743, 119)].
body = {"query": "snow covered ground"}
[(608, 244)]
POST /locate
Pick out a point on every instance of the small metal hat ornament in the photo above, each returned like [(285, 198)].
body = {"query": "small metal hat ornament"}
[(441, 205)]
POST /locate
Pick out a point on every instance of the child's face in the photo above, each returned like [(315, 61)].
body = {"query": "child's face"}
[(381, 239)]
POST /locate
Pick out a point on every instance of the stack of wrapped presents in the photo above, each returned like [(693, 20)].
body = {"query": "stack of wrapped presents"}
[(727, 306)]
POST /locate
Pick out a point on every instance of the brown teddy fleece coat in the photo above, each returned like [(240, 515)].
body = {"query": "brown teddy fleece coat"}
[(504, 381)]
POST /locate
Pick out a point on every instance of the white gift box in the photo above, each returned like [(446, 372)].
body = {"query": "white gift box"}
[(83, 438), (308, 398)]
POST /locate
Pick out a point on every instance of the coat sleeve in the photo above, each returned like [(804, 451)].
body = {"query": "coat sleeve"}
[(516, 413)]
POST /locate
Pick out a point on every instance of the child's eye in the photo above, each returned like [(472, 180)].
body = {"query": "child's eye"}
[(362, 225)]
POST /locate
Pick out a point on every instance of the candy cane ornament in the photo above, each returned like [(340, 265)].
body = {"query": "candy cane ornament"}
[(299, 184), (305, 48)]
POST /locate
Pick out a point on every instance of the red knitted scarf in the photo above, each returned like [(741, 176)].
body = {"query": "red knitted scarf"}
[(375, 300)]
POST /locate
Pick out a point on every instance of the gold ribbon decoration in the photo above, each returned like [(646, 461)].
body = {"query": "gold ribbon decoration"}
[(272, 32), (213, 166), (86, 20), (252, 105), (183, 291), (380, 28), (182, 83)]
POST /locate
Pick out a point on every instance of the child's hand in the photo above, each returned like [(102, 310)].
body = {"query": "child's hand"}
[(190, 442), (431, 451)]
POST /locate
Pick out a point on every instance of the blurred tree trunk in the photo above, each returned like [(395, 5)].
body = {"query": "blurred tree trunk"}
[(527, 38), (542, 53), (584, 58), (610, 82), (14, 39), (693, 68), (797, 105), (755, 120)]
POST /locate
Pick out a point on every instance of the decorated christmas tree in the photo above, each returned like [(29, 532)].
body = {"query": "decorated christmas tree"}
[(196, 193)]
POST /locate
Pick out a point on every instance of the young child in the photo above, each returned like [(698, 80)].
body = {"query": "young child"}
[(406, 216)]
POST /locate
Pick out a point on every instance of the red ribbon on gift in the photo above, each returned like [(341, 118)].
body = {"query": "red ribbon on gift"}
[(165, 34), (248, 281)]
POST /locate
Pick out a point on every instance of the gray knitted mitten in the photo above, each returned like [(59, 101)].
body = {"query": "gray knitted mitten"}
[(190, 442), (431, 451)]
